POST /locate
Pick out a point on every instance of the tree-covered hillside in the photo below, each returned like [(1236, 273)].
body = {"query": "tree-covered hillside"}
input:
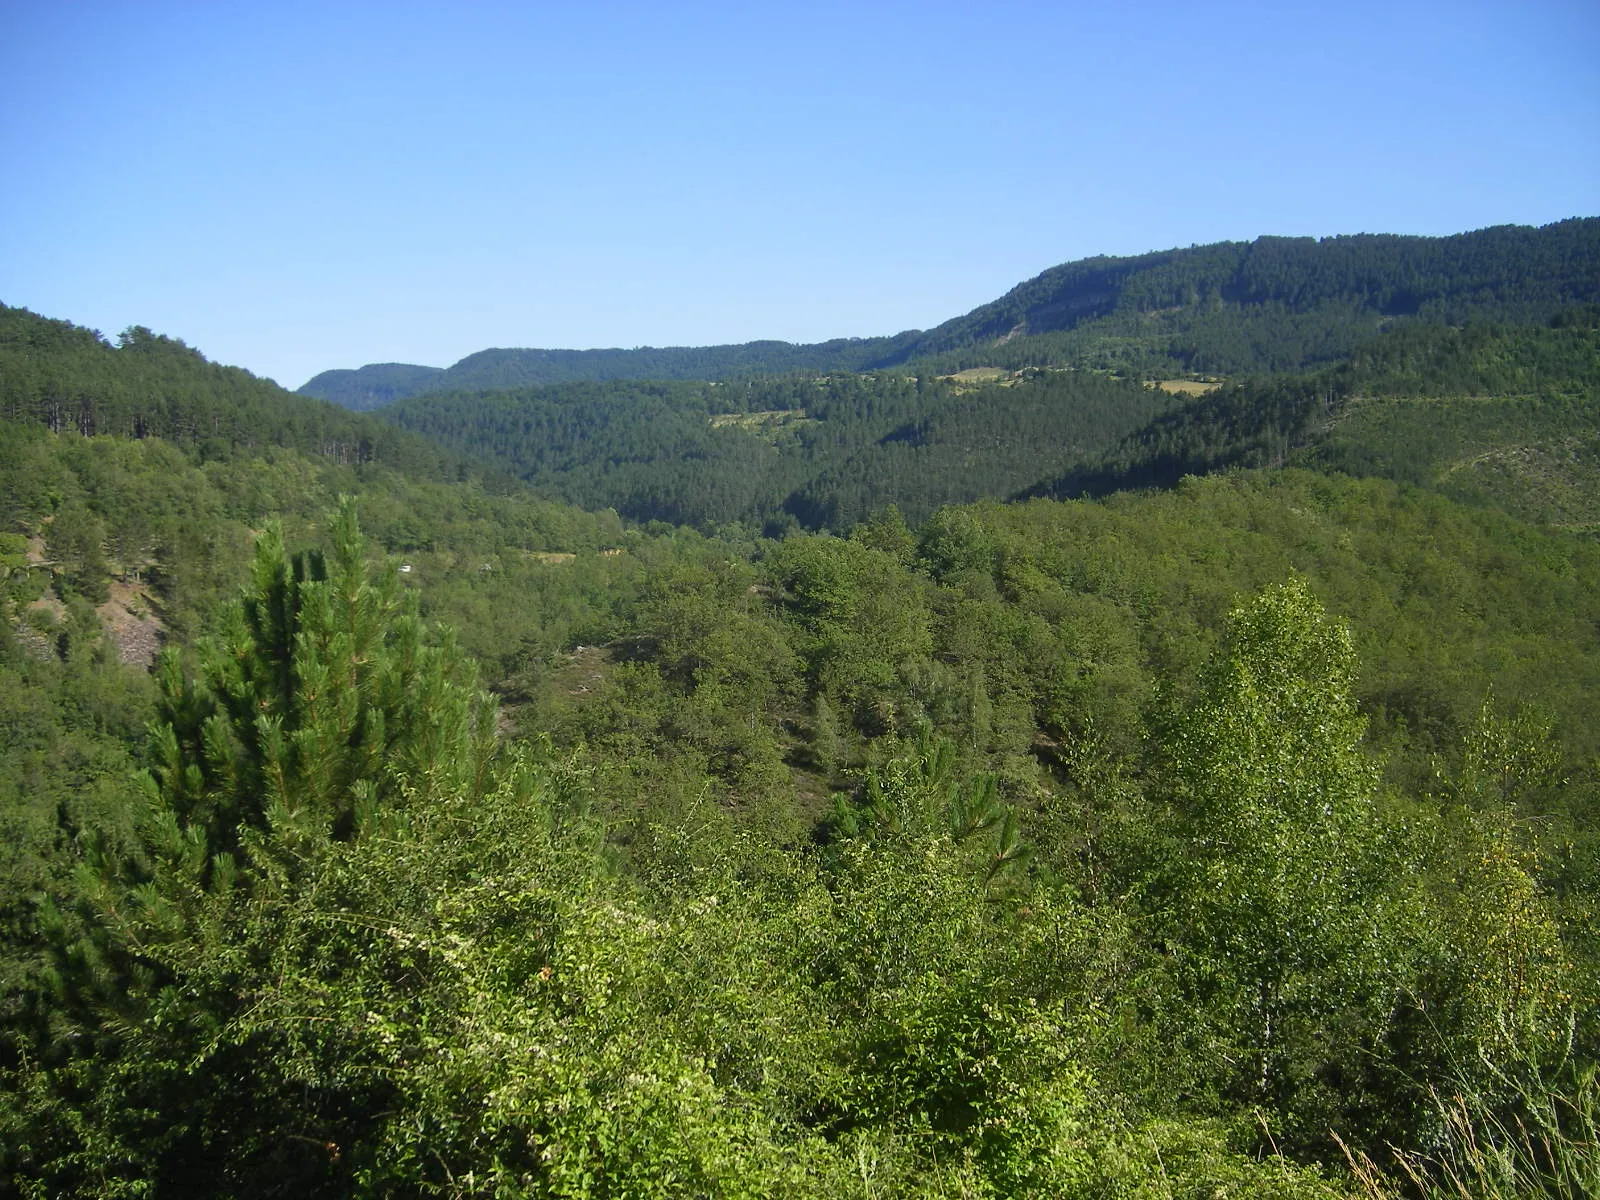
[(147, 385), (925, 859), (1495, 414), (823, 452), (1275, 304)]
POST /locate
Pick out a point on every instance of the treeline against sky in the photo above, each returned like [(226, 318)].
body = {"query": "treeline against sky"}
[(502, 370), (1233, 308), (1274, 304), (70, 378)]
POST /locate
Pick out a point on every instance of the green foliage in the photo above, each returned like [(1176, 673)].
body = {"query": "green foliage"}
[(920, 794), (322, 719), (327, 969), (861, 619), (67, 728), (322, 707), (68, 378), (1287, 909), (1499, 415), (826, 452), (1499, 987), (74, 540)]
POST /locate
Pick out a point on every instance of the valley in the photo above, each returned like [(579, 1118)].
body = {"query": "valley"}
[(1140, 738)]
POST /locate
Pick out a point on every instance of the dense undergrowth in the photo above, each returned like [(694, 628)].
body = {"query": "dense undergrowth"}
[(1060, 849)]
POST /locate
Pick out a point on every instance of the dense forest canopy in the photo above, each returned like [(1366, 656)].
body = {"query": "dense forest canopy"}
[(729, 785), (1498, 414), (818, 451), (149, 385)]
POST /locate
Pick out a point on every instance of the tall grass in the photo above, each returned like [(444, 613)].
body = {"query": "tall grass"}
[(1537, 1138)]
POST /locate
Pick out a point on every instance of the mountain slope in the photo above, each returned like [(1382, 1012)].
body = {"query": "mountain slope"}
[(498, 370), (1207, 307), (1274, 304), (69, 378), (373, 385), (1507, 416), (825, 451)]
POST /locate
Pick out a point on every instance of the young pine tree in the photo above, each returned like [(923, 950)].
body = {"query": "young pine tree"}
[(323, 720)]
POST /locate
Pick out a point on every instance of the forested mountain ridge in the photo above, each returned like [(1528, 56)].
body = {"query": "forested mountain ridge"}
[(373, 385), (1232, 307), (67, 377), (1277, 303), (488, 370)]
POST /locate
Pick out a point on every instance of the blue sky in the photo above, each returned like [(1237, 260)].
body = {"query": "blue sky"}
[(292, 187)]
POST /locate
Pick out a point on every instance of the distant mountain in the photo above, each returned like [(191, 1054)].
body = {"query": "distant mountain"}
[(503, 370), (1274, 304), (374, 385)]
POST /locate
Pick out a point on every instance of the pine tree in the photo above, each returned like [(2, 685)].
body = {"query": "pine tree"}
[(320, 710), (325, 720)]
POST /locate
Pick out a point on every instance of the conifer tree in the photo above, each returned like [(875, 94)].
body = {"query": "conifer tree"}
[(325, 719), (321, 708), (320, 716)]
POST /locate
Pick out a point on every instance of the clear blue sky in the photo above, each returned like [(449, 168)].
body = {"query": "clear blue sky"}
[(291, 187)]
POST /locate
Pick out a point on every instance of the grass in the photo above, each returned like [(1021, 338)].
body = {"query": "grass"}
[(1544, 1141), (755, 421), (1185, 387), (979, 375)]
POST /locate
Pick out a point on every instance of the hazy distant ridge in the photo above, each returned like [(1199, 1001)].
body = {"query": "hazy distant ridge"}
[(496, 370), (1232, 307)]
